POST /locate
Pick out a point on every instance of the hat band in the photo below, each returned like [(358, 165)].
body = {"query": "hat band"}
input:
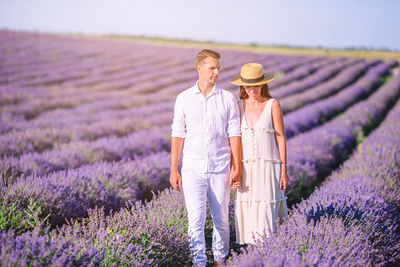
[(256, 80)]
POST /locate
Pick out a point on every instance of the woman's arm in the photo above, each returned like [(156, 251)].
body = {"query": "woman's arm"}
[(277, 122)]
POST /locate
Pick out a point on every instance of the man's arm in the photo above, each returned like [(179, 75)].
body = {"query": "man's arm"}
[(177, 138), (176, 148), (235, 143)]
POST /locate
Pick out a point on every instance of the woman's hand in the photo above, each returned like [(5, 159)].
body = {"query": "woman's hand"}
[(283, 181)]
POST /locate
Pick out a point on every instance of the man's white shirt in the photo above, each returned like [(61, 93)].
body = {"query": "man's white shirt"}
[(206, 123)]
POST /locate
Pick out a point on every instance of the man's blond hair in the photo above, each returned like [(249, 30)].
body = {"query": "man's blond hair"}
[(203, 54)]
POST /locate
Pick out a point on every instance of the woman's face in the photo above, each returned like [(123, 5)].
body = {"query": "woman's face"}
[(253, 91)]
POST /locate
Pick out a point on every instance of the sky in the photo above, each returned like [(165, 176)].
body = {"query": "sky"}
[(310, 23)]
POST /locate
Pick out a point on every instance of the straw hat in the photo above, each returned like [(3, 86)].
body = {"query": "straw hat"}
[(252, 74)]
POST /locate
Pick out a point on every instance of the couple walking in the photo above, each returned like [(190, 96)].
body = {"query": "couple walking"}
[(229, 145)]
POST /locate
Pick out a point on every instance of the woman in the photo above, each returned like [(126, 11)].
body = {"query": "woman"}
[(260, 198)]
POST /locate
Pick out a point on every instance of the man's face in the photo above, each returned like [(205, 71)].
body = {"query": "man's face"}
[(209, 70)]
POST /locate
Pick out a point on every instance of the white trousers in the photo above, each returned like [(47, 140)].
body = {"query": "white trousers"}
[(197, 188)]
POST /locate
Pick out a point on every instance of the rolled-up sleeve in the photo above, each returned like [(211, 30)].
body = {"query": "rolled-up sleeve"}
[(233, 128), (178, 124)]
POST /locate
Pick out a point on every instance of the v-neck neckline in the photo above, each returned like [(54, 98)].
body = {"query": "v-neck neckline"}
[(259, 118)]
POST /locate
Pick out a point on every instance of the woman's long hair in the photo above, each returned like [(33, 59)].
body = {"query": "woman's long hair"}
[(264, 92)]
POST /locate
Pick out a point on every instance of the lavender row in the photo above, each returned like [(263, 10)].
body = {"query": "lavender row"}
[(302, 71), (79, 64), (352, 219), (312, 155), (99, 69), (110, 101), (45, 52), (14, 95), (30, 140), (164, 76), (61, 77), (69, 65), (109, 46), (313, 114), (27, 112), (140, 70), (69, 194), (328, 88), (314, 79), (34, 109), (31, 111), (42, 139), (76, 154), (72, 117), (14, 165), (85, 67), (103, 63)]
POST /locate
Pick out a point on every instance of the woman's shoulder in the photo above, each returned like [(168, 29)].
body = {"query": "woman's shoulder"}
[(275, 105), (274, 101)]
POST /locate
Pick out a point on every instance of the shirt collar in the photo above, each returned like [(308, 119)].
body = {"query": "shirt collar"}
[(196, 89)]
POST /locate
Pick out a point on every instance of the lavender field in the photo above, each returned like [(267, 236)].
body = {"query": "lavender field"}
[(84, 145)]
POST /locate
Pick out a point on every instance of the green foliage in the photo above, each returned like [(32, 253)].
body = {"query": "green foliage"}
[(21, 220), (384, 79), (302, 248), (360, 138)]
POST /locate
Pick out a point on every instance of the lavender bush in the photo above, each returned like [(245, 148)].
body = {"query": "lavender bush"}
[(69, 194), (46, 249), (320, 76), (16, 143), (312, 155), (76, 154), (328, 88), (310, 115), (152, 233)]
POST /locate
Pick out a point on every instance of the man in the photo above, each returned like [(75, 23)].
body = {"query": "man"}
[(206, 125)]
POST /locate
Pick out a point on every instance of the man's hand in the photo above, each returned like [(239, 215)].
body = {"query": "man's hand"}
[(234, 177), (175, 180), (235, 174), (176, 148)]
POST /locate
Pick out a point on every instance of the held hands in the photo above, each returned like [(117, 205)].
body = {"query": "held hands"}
[(175, 180), (234, 177)]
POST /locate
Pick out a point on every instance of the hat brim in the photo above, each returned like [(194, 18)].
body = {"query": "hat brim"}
[(267, 78)]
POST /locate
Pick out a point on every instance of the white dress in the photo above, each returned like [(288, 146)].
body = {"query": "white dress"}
[(259, 201)]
